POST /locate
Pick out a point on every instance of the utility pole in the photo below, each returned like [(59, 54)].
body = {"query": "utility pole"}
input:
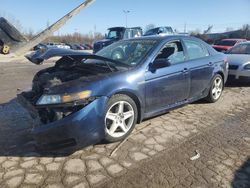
[(185, 27), (126, 15)]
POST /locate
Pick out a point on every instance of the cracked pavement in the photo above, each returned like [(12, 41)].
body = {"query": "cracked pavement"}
[(157, 154)]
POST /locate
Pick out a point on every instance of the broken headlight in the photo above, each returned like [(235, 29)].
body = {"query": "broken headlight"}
[(47, 99)]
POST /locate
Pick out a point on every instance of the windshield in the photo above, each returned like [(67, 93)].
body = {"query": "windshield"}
[(226, 43), (114, 34), (240, 49), (129, 52)]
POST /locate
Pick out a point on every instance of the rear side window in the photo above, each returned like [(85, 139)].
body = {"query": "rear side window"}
[(195, 49), (136, 33)]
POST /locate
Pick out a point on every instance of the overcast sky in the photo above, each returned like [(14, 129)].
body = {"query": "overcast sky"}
[(197, 14)]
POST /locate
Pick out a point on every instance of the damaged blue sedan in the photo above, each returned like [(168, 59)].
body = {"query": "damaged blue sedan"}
[(85, 98)]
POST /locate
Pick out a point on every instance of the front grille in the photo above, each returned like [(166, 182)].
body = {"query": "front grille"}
[(233, 67)]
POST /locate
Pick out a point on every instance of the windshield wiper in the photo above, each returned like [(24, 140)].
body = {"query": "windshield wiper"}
[(106, 59), (108, 65)]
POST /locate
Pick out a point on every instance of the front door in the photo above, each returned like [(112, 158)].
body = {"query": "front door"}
[(167, 85)]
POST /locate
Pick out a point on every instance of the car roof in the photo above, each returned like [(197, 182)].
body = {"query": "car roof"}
[(234, 39), (159, 37), (123, 28), (111, 28)]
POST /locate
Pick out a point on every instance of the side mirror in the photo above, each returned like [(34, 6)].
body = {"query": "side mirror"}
[(158, 63), (160, 31)]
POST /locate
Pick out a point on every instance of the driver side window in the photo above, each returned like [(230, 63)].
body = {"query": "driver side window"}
[(172, 53)]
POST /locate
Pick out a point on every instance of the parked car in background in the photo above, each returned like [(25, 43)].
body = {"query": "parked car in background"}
[(57, 45), (226, 44), (85, 47), (239, 61), (160, 31), (115, 34), (87, 98), (74, 46), (89, 46), (62, 45), (40, 46)]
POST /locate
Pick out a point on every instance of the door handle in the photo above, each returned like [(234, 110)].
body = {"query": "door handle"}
[(210, 64), (185, 70)]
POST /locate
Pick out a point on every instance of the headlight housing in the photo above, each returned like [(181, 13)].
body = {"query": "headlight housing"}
[(59, 99), (247, 66)]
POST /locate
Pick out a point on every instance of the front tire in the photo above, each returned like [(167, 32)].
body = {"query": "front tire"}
[(120, 118), (216, 89)]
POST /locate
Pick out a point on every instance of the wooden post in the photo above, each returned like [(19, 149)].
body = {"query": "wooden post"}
[(21, 49)]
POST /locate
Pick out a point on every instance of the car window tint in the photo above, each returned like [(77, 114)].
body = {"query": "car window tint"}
[(127, 34), (129, 52), (195, 49), (136, 33), (240, 49), (172, 52), (114, 34)]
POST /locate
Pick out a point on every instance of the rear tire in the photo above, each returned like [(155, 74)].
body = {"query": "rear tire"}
[(216, 89), (120, 118)]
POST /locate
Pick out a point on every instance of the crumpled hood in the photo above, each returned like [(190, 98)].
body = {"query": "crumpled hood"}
[(238, 59), (39, 56), (70, 74), (81, 84)]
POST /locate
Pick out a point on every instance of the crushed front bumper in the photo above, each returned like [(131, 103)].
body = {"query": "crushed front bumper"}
[(79, 129)]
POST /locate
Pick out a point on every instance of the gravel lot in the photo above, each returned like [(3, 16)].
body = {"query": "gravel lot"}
[(157, 154)]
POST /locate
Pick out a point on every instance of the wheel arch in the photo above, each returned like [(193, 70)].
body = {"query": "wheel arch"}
[(221, 74), (223, 78), (137, 101)]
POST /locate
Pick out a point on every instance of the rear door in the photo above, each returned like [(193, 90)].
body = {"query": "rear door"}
[(200, 66)]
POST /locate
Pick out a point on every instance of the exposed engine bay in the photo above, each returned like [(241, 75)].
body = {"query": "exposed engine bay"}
[(66, 69)]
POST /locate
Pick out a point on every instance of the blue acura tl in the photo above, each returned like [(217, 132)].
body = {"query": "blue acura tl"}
[(86, 98)]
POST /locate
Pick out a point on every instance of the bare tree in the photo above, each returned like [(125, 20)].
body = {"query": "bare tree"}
[(246, 30), (208, 30), (195, 32)]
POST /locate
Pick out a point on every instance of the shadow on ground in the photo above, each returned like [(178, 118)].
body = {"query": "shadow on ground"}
[(16, 125), (229, 84), (237, 83), (242, 176)]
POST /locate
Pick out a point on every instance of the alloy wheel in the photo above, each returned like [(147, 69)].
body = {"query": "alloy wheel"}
[(217, 88), (119, 119)]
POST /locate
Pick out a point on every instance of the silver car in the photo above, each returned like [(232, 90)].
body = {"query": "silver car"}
[(239, 61)]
